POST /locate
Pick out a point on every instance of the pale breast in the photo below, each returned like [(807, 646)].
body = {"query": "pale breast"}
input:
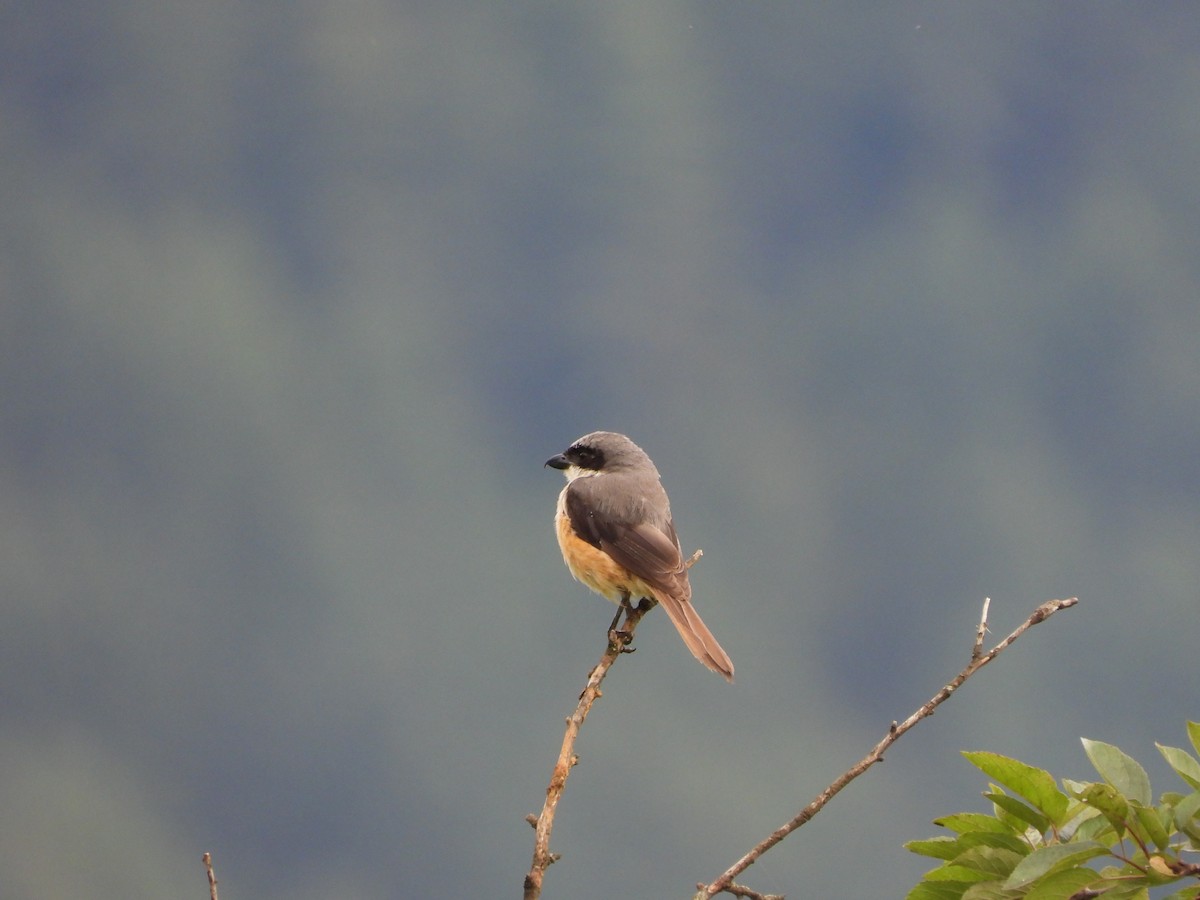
[(593, 567)]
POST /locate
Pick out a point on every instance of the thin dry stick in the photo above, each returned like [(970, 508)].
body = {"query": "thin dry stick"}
[(618, 643), (740, 890), (978, 661), (982, 630), (212, 877)]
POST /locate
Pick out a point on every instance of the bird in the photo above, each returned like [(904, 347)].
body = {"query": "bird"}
[(614, 527)]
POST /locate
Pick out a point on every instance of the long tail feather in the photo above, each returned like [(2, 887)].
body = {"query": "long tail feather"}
[(696, 634)]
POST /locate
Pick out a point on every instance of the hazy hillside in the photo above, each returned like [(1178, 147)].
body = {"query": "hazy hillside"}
[(903, 299)]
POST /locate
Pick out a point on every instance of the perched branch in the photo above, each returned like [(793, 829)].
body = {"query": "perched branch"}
[(724, 882), (618, 643), (212, 877)]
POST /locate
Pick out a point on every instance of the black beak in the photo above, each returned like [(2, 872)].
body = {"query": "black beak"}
[(558, 462)]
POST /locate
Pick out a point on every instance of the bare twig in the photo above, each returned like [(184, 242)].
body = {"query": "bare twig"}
[(978, 661), (740, 890), (618, 643), (981, 632), (212, 877)]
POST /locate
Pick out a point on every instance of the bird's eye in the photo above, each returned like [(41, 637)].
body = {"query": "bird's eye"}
[(585, 457)]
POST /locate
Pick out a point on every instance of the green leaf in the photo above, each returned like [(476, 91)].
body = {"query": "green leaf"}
[(1127, 891), (1120, 770), (1095, 828), (1035, 785), (938, 847), (1187, 893), (1185, 814), (989, 890), (1005, 841), (993, 862), (944, 847), (1053, 858), (1193, 834), (1064, 885), (964, 822), (1187, 807), (1111, 804), (940, 890), (1183, 763), (1151, 821), (1027, 815), (1193, 730), (958, 874)]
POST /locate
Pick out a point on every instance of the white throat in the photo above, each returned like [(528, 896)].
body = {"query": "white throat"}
[(572, 472)]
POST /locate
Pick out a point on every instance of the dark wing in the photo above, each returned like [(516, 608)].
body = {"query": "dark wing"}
[(648, 549), (645, 549)]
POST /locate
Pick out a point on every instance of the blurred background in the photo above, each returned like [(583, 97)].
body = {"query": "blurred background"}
[(296, 298)]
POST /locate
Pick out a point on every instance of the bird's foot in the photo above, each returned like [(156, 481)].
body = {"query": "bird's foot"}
[(616, 637)]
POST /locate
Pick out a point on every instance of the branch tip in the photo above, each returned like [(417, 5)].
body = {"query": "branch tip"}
[(981, 632), (212, 876)]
